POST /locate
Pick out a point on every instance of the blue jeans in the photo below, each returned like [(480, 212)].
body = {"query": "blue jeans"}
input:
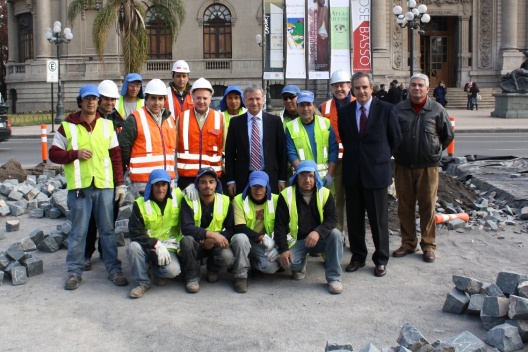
[(260, 261), (140, 260), (101, 201), (332, 245)]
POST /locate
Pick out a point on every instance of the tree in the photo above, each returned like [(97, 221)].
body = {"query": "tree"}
[(3, 47), (129, 18)]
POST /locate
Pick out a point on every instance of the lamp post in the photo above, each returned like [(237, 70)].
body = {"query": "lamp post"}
[(267, 93), (54, 36), (413, 19)]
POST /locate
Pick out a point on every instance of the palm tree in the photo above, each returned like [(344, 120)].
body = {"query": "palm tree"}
[(129, 18)]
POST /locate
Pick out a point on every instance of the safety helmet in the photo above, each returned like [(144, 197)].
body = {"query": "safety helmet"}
[(181, 67), (156, 87), (340, 76), (108, 89), (202, 83)]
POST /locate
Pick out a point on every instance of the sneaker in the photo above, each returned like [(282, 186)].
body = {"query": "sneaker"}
[(241, 285), (138, 291), (72, 282), (160, 281), (335, 287), (192, 287), (87, 264), (118, 279), (212, 277), (298, 275)]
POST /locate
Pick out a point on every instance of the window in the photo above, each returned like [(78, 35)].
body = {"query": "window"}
[(25, 37), (217, 32), (160, 46)]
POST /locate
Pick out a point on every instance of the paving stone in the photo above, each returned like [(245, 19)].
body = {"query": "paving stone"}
[(16, 210), (369, 348), (489, 322), (59, 199), (5, 210), (33, 266), (55, 213), (507, 210), (6, 188), (1, 277), (494, 290), (122, 231), (57, 237), (27, 255), (15, 195), (459, 160), (15, 252), (42, 178), (12, 264), (524, 213), (12, 225), (31, 180), (124, 212), (496, 306), (492, 225), (120, 239), (456, 224), (28, 244), (36, 213), (12, 181), (4, 260), (36, 236), (2, 234), (522, 327), (411, 338), (25, 188), (32, 194), (66, 227), (508, 282), (439, 346), (467, 284), (476, 302), (48, 245), (49, 173), (518, 308), (338, 345), (19, 276), (32, 205), (456, 302), (402, 349), (505, 337), (522, 289), (467, 342)]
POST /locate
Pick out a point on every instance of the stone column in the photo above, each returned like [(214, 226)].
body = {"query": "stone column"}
[(12, 26), (464, 54), (41, 21), (379, 30), (510, 55)]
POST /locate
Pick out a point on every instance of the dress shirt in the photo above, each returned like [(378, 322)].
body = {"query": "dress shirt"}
[(358, 111)]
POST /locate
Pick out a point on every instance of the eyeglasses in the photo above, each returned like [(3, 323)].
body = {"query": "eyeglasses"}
[(288, 97)]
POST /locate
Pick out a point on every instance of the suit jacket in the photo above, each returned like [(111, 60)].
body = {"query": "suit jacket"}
[(237, 157), (367, 159)]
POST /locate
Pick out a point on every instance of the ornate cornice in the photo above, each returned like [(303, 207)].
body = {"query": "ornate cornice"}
[(397, 42)]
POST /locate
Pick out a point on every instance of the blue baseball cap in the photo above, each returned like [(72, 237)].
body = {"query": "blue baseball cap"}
[(87, 90), (291, 89), (305, 97), (258, 178), (307, 166)]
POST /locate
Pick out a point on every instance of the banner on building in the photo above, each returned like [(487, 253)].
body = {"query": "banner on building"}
[(318, 39), (274, 35), (340, 35), (362, 57), (295, 56)]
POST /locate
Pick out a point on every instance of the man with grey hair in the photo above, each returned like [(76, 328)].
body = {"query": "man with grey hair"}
[(255, 141), (426, 131)]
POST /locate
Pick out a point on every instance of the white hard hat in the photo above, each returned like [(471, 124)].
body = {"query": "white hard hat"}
[(109, 89), (340, 76), (156, 87), (202, 83), (181, 67)]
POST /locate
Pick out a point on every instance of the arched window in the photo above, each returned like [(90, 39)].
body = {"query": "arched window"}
[(159, 38), (217, 32)]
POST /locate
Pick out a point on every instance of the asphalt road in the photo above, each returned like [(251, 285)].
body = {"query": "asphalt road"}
[(26, 151)]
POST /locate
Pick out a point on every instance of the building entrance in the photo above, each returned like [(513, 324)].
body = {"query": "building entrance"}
[(437, 49)]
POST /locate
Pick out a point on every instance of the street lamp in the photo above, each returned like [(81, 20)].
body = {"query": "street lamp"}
[(54, 36), (413, 19), (267, 93)]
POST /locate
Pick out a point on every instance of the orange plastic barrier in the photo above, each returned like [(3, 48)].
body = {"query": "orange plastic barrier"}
[(440, 218), (451, 146), (44, 142)]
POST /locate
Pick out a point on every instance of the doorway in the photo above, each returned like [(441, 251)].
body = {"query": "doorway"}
[(437, 51)]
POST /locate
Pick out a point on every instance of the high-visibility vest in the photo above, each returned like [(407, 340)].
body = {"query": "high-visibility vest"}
[(80, 173), (288, 193), (121, 106), (173, 104), (220, 209), (249, 212), (228, 116), (162, 226), (154, 147), (302, 142), (329, 110), (198, 148)]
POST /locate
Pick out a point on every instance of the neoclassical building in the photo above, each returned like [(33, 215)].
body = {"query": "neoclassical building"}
[(477, 40)]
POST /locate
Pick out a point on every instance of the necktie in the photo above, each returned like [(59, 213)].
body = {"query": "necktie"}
[(255, 145), (362, 121)]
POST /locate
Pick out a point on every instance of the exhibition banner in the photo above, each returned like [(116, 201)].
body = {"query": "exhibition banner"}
[(340, 35), (295, 56), (274, 35), (362, 56), (318, 39)]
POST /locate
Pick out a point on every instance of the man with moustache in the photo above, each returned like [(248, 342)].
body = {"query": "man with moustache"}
[(178, 92)]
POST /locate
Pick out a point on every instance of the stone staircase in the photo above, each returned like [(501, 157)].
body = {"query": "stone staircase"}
[(457, 98)]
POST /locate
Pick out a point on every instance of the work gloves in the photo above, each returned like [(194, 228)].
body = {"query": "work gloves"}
[(120, 194), (162, 253), (191, 192), (328, 181)]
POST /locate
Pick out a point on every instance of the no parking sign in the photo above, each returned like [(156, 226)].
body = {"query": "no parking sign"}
[(52, 68)]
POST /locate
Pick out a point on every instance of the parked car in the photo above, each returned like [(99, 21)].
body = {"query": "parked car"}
[(5, 126)]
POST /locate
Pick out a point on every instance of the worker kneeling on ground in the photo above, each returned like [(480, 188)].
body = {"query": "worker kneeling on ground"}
[(154, 228)]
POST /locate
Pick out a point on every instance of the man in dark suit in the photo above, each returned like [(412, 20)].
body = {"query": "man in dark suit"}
[(370, 134), (251, 147)]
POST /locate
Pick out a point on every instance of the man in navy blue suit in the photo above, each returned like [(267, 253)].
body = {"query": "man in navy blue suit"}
[(370, 134)]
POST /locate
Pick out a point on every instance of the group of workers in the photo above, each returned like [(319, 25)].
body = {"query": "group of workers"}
[(242, 189)]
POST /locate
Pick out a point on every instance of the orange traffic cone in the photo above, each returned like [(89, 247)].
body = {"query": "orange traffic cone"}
[(440, 218)]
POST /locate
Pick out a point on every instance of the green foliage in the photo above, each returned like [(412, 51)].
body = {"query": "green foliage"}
[(29, 119)]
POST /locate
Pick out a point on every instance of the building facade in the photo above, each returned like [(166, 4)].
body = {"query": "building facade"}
[(478, 40)]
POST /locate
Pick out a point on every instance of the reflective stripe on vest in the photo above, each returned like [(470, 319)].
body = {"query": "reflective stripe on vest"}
[(220, 209), (249, 212), (187, 102), (330, 111)]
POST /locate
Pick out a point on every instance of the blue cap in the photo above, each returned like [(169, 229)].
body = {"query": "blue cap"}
[(291, 89), (258, 178), (307, 166), (208, 171), (87, 90), (305, 97), (158, 175)]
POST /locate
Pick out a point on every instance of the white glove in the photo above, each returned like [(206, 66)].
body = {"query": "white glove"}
[(171, 244), (273, 255), (191, 192), (163, 254), (268, 242), (120, 194), (328, 181), (174, 184)]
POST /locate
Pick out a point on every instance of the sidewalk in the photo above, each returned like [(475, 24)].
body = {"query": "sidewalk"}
[(466, 122)]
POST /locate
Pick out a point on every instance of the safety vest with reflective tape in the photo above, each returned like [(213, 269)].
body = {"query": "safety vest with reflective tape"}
[(329, 110), (198, 148), (249, 212), (220, 209), (166, 226), (154, 146), (173, 103), (302, 142), (121, 106), (289, 196), (81, 173)]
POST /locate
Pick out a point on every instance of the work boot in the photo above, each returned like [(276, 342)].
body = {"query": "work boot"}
[(335, 287), (298, 275), (87, 264), (212, 277), (241, 285), (160, 281), (192, 287), (72, 282), (138, 291), (118, 279)]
